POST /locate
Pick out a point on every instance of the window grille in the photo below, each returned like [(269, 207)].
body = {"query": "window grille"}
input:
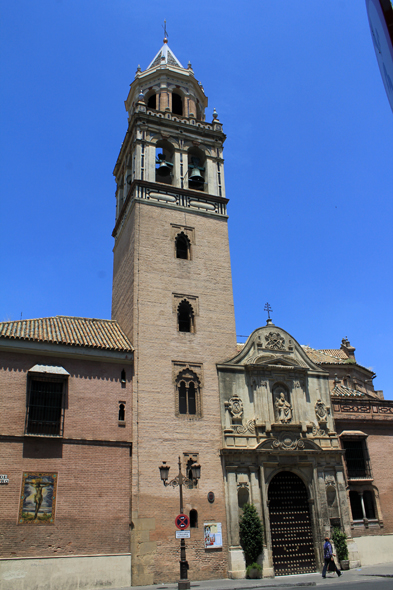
[(358, 464), (45, 408)]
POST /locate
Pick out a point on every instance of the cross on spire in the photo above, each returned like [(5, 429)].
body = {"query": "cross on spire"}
[(165, 32), (268, 309)]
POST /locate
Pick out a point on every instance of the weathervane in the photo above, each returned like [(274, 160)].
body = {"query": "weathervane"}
[(268, 309), (165, 32)]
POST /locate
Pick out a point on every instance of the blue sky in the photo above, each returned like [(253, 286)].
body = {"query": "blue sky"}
[(308, 159)]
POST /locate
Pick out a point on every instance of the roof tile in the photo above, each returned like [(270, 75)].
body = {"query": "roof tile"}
[(72, 331), (328, 356)]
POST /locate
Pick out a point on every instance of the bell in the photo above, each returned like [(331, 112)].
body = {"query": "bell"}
[(163, 169), (196, 175)]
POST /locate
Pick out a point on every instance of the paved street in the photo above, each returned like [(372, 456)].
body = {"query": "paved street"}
[(378, 576)]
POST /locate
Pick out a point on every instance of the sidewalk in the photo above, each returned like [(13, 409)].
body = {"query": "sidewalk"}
[(363, 574)]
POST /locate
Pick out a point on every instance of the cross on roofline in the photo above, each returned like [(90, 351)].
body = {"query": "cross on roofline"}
[(268, 309)]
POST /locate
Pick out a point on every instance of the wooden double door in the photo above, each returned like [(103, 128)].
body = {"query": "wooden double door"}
[(290, 525)]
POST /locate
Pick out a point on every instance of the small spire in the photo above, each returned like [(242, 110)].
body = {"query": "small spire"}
[(138, 70), (215, 117), (165, 32), (189, 66)]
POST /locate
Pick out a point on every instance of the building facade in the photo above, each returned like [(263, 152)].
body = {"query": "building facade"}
[(66, 394), (90, 409), (364, 423), (282, 453)]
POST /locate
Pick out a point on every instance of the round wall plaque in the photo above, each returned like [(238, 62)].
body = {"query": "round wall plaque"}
[(210, 497)]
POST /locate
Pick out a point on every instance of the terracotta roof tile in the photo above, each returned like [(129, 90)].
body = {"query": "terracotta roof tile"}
[(342, 391), (328, 356), (72, 331)]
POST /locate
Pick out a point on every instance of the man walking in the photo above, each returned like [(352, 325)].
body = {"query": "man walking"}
[(329, 558)]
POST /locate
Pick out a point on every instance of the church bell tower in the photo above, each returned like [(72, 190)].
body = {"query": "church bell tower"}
[(172, 295)]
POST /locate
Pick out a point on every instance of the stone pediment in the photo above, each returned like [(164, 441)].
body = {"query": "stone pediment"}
[(272, 347), (273, 360)]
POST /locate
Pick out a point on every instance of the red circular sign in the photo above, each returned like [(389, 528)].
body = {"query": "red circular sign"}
[(182, 521)]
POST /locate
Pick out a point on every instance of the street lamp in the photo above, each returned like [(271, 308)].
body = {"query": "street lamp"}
[(180, 480)]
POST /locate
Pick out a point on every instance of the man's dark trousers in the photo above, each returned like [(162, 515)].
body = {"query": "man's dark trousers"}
[(330, 561)]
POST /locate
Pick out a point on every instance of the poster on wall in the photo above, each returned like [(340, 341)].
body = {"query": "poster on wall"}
[(38, 498), (212, 534)]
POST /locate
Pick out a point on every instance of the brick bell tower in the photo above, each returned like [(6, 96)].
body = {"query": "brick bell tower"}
[(172, 295)]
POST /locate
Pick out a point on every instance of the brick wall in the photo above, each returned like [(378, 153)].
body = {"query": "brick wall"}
[(380, 448), (92, 461), (146, 249)]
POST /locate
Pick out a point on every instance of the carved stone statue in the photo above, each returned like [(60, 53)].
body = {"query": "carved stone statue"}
[(282, 409)]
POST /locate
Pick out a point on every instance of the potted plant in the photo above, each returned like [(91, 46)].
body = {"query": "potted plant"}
[(251, 540), (340, 543)]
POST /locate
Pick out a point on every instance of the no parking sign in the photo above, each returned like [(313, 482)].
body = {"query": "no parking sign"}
[(182, 521)]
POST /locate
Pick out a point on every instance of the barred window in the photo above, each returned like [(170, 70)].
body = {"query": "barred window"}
[(45, 406), (356, 459)]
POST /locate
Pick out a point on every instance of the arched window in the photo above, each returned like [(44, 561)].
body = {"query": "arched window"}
[(193, 519), (188, 400), (123, 379), (177, 104), (199, 112), (185, 317), (152, 101), (191, 484), (164, 162), (122, 412), (196, 169), (243, 496), (182, 246)]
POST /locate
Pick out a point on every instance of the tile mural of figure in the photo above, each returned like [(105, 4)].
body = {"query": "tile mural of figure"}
[(38, 498)]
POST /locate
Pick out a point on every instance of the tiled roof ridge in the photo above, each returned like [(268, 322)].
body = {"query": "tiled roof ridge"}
[(344, 391), (69, 330)]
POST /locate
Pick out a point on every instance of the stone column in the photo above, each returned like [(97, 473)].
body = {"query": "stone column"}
[(268, 569), (233, 506), (255, 491), (236, 564)]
